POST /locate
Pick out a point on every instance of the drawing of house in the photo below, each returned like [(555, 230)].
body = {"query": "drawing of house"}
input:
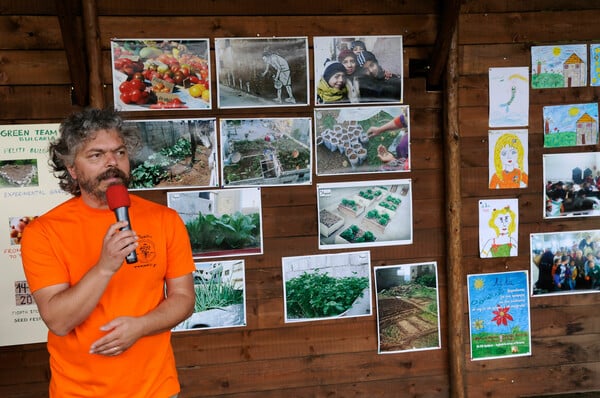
[(586, 130), (574, 71)]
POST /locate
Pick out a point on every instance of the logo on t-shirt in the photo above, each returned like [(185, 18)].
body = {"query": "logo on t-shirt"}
[(146, 249)]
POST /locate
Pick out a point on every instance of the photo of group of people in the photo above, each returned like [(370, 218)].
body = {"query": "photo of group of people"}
[(565, 262)]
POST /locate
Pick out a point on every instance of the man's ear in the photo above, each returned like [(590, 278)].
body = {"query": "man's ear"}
[(72, 172)]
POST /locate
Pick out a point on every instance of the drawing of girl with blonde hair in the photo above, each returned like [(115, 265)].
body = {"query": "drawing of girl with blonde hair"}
[(508, 163), (502, 221)]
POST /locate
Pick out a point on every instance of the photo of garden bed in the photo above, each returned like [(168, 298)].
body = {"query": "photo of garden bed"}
[(266, 151), (367, 213)]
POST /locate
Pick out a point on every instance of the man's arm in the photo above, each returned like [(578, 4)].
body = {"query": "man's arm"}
[(63, 307), (123, 332)]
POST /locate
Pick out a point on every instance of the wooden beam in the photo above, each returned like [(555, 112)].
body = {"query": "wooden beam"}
[(449, 15), (454, 265), (93, 51), (73, 42)]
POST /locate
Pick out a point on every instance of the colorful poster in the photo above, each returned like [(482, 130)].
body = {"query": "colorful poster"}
[(559, 66), (407, 308), (498, 228), (570, 125), (508, 162), (595, 64), (262, 72), (28, 189), (220, 288), (499, 320), (509, 97)]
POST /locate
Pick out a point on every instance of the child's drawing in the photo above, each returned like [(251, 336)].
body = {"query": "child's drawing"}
[(595, 65), (498, 227), (559, 66), (508, 97), (570, 125), (508, 165)]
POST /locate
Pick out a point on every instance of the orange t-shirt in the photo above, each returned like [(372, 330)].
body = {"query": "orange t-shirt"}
[(509, 180), (60, 247)]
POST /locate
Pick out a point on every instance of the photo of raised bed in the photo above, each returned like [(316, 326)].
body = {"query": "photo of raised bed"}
[(355, 140), (365, 213), (266, 152)]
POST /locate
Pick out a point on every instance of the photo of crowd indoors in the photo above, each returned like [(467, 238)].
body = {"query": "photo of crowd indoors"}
[(567, 262), (572, 185)]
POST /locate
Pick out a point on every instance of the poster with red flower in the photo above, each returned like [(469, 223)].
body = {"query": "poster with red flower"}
[(499, 320)]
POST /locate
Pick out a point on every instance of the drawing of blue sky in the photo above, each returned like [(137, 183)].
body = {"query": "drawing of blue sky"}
[(595, 64), (563, 118), (553, 57)]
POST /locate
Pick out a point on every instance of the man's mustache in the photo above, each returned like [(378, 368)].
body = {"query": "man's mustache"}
[(113, 173)]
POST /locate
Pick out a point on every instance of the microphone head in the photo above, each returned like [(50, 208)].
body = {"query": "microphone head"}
[(117, 196)]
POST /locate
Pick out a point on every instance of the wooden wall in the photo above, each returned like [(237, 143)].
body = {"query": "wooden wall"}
[(269, 358)]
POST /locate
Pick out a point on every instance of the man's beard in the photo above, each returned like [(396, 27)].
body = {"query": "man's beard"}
[(92, 185)]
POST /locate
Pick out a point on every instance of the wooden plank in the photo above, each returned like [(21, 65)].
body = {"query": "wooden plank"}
[(32, 68), (29, 33)]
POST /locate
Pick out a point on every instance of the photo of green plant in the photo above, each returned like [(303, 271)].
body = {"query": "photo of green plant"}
[(364, 213), (407, 307), (175, 153), (327, 286), (221, 223), (220, 296)]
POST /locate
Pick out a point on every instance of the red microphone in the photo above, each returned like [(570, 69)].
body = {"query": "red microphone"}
[(119, 202)]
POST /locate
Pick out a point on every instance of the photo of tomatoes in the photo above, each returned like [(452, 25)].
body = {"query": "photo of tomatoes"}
[(157, 74)]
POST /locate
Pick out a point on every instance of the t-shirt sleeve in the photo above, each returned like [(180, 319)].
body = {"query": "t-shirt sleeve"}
[(41, 263), (180, 259)]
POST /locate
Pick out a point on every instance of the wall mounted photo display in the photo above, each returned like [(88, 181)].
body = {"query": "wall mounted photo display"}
[(266, 152), (220, 288), (508, 97), (499, 317), (221, 223), (556, 66), (407, 308), (358, 69), (255, 72), (327, 286), (29, 189), (365, 213), (161, 74), (508, 163), (565, 262), (570, 125), (361, 140), (595, 64), (175, 153), (498, 228), (571, 184)]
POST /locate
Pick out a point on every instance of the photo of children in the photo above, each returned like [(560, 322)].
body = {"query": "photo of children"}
[(350, 70)]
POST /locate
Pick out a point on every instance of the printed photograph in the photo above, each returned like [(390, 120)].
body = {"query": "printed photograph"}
[(559, 66), (262, 72), (327, 286), (161, 74), (570, 125), (365, 214), (407, 308), (565, 262), (16, 227), (221, 223), (220, 296), (572, 184), (19, 173), (362, 140), (267, 152), (499, 319), (508, 161), (508, 97), (498, 228), (358, 69), (175, 153)]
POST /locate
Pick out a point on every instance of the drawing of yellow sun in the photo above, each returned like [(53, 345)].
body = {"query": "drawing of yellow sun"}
[(478, 324), (556, 51), (478, 284)]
